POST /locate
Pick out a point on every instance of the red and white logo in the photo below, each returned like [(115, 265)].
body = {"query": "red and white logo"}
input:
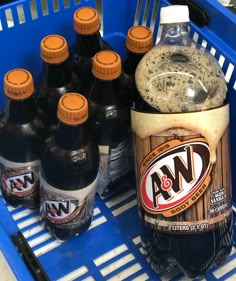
[(173, 174), (20, 184), (60, 211)]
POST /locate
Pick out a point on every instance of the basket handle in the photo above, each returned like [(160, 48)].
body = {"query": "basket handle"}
[(197, 15)]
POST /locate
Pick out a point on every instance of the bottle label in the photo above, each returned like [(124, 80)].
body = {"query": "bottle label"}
[(115, 162), (66, 208), (20, 179), (183, 169)]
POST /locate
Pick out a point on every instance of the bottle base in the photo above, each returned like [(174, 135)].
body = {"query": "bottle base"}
[(192, 254), (123, 184), (16, 201), (65, 234)]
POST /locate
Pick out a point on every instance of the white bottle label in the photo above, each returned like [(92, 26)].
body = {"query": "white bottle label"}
[(115, 162), (20, 179), (66, 208)]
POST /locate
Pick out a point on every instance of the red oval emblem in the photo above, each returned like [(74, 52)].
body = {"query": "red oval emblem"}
[(171, 179)]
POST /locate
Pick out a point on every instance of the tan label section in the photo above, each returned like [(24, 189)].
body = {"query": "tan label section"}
[(177, 181), (204, 122)]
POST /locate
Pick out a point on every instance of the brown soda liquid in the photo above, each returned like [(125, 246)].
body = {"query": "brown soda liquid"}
[(70, 164), (88, 42), (110, 124), (22, 136), (57, 78), (182, 161)]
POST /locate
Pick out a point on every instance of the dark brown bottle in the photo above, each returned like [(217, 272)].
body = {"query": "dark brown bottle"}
[(87, 43), (139, 41), (57, 77), (110, 123), (21, 140), (69, 170)]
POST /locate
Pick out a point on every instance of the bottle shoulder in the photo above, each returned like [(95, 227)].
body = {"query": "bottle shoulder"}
[(70, 168), (21, 142), (180, 79)]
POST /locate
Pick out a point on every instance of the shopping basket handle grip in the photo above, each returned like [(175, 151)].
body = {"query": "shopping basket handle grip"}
[(197, 15), (29, 257)]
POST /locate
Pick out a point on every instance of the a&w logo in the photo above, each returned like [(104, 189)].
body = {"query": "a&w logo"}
[(60, 211), (174, 176), (21, 184)]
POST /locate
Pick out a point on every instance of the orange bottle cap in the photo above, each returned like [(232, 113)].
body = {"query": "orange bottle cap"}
[(139, 39), (18, 84), (72, 109), (106, 65), (54, 49), (86, 21)]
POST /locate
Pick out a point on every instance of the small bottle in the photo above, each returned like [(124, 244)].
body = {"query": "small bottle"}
[(69, 170), (21, 140), (57, 77), (139, 41), (110, 123), (87, 43)]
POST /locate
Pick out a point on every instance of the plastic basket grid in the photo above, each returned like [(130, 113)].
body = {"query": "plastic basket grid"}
[(111, 249)]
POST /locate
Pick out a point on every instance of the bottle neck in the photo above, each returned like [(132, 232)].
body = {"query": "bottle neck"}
[(131, 61), (175, 34), (20, 111), (71, 137), (88, 45), (57, 75), (104, 91)]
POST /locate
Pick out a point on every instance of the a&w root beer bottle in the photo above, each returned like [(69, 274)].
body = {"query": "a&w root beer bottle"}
[(21, 139), (68, 177), (182, 153)]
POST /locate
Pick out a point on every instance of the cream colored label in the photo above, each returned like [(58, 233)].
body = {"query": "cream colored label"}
[(211, 124), (66, 207), (183, 169)]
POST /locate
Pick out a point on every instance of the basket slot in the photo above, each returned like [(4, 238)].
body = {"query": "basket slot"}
[(80, 272), (149, 12), (143, 13), (33, 10)]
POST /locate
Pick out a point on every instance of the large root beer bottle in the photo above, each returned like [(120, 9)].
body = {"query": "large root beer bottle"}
[(69, 171), (21, 140), (182, 152)]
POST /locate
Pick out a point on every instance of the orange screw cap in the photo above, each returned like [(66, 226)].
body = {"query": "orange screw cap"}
[(139, 39), (54, 49), (72, 109), (106, 65), (86, 21), (18, 84)]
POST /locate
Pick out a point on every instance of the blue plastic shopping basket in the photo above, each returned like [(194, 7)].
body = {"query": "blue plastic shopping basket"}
[(111, 249)]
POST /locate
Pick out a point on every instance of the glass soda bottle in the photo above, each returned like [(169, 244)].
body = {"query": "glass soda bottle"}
[(110, 123), (21, 140), (69, 170), (57, 77), (139, 41), (88, 42), (182, 153)]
